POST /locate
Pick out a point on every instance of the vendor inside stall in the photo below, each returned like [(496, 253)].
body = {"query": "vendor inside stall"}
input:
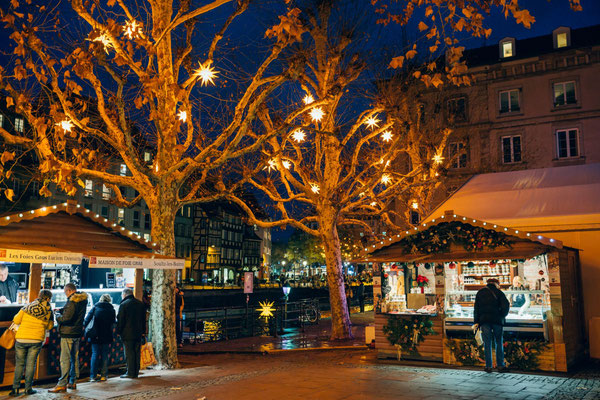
[(8, 286)]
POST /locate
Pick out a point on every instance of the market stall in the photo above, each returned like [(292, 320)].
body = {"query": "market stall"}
[(428, 279), (51, 246)]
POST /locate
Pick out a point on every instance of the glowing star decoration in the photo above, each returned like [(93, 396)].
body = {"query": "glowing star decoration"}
[(270, 165), (386, 179), (414, 205), (104, 40), (386, 136), (298, 135), (286, 164), (266, 309), (373, 204), (372, 122), (66, 125), (182, 115), (206, 74), (438, 159), (317, 114), (132, 29), (308, 99), (315, 188)]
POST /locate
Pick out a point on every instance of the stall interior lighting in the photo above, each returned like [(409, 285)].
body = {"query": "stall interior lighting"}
[(7, 218), (20, 215), (44, 209)]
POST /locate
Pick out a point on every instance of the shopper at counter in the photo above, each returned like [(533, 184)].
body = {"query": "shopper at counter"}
[(70, 327), (34, 320), (99, 332), (8, 286), (131, 326), (520, 300), (491, 309)]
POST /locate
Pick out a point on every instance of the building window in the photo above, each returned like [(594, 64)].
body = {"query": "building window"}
[(562, 37), (19, 124), (567, 142), (147, 221), (89, 188), (564, 93), (121, 216), (509, 101), (147, 156), (147, 236), (457, 109), (104, 211), (456, 152), (507, 47), (136, 219), (1, 120), (511, 149), (561, 40), (123, 170), (415, 218), (105, 192), (88, 206)]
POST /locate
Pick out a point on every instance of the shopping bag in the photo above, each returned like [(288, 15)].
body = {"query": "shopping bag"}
[(7, 340), (478, 337), (147, 357)]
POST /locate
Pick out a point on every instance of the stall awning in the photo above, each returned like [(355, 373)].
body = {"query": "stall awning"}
[(534, 197), (67, 232)]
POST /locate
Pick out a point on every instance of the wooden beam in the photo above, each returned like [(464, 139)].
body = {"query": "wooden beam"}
[(35, 281), (138, 286)]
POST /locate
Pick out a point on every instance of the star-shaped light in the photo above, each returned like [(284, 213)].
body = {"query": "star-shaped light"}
[(315, 188), (66, 125), (132, 29), (271, 165), (266, 309), (415, 205), (386, 178), (386, 136), (308, 99), (372, 122), (317, 114), (182, 115), (104, 40), (438, 159), (361, 194), (286, 164), (373, 204), (298, 135), (206, 74)]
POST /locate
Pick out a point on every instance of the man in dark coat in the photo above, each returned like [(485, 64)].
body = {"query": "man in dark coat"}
[(70, 328), (491, 308), (99, 332), (131, 325), (8, 286)]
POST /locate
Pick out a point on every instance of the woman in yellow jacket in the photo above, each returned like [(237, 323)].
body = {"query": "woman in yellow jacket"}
[(34, 320)]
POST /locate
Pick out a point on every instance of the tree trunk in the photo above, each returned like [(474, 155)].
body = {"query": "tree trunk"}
[(340, 317), (162, 309)]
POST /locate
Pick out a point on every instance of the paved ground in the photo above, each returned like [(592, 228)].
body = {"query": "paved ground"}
[(337, 374)]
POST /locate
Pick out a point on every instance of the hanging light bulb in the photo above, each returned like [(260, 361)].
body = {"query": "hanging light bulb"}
[(317, 114), (206, 73), (308, 99), (298, 135), (182, 116), (372, 122)]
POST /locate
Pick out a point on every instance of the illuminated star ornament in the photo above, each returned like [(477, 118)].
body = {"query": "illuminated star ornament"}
[(372, 122), (386, 136), (182, 115), (438, 159), (315, 188), (206, 74), (317, 114), (373, 204), (286, 164), (266, 309), (298, 135), (386, 178), (132, 29), (308, 99), (104, 40), (270, 165), (66, 125)]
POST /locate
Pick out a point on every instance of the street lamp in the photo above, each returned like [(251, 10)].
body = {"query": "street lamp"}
[(286, 292)]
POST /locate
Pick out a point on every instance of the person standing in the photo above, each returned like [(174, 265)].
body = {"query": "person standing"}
[(70, 328), (361, 296), (8, 286), (179, 303), (131, 326), (99, 332), (34, 320), (491, 309)]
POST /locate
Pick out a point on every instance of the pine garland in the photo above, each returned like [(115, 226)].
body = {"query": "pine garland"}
[(407, 333), (518, 355)]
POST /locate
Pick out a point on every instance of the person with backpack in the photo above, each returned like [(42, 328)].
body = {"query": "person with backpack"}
[(99, 332), (491, 309)]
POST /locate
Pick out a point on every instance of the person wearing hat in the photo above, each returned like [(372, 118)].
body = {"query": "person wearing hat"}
[(491, 309)]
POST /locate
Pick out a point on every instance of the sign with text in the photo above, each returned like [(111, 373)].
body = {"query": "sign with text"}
[(143, 263), (248, 282), (111, 280), (39, 257)]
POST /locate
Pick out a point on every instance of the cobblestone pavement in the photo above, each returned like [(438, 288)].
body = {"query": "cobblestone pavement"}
[(336, 374)]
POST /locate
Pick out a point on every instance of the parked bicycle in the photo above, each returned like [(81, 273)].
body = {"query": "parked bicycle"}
[(309, 311)]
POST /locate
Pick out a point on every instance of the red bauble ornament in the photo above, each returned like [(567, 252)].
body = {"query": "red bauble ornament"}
[(541, 272), (451, 265)]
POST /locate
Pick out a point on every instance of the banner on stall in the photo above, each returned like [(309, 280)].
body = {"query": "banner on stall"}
[(39, 257), (143, 263)]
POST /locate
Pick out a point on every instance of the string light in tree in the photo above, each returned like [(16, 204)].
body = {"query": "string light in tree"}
[(387, 136), (132, 29), (298, 135), (315, 188), (66, 125), (182, 115), (372, 122), (386, 179), (317, 114), (206, 73), (308, 99)]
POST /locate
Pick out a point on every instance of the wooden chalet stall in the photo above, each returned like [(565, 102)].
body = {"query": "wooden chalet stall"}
[(427, 279), (51, 246)]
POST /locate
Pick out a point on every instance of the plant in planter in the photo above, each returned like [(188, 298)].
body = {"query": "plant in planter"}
[(422, 282)]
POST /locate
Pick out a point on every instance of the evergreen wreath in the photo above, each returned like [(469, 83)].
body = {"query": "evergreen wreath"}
[(408, 332), (523, 355), (466, 351)]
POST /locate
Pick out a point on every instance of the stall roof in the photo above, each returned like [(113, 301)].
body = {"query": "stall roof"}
[(526, 244), (70, 228), (547, 196)]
